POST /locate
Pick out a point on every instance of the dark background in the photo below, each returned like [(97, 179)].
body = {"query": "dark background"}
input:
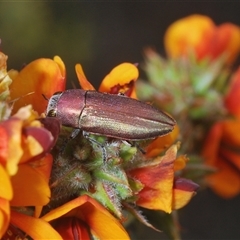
[(97, 34), (100, 35)]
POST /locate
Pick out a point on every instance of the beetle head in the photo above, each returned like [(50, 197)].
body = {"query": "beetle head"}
[(52, 105)]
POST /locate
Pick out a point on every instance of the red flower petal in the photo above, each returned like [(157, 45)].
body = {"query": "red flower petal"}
[(221, 151), (72, 228), (233, 95)]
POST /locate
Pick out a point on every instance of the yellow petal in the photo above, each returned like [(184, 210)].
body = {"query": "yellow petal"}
[(84, 83), (121, 74), (161, 143), (94, 214), (29, 187), (5, 185), (181, 198), (180, 163), (36, 228), (31, 147), (44, 166), (60, 64), (183, 191), (42, 76), (27, 115), (98, 217), (193, 32), (4, 216)]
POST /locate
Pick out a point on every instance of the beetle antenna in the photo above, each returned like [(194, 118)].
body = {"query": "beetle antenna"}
[(45, 97), (73, 85), (16, 99)]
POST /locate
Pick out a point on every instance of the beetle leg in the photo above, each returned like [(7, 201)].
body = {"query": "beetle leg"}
[(102, 146), (74, 133), (135, 144)]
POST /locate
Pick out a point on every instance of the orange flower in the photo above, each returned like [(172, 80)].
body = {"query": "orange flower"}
[(225, 41), (77, 218), (163, 193), (38, 78), (233, 95), (161, 143), (120, 80), (24, 163), (6, 194), (198, 33), (221, 150), (34, 227), (161, 190)]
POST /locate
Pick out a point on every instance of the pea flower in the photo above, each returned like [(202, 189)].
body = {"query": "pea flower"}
[(199, 58), (222, 144), (25, 161), (74, 190), (120, 80), (83, 215), (161, 190), (198, 34), (40, 77), (221, 152), (148, 174)]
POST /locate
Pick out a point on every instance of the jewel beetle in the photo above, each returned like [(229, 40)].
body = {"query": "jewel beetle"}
[(110, 115)]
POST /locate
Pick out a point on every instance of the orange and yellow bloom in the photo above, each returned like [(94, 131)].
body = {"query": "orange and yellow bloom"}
[(120, 80), (221, 149), (88, 217), (221, 152), (161, 190), (198, 34), (200, 55), (25, 161), (41, 77), (76, 194)]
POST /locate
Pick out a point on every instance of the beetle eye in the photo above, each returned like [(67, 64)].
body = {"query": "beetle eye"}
[(52, 113)]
